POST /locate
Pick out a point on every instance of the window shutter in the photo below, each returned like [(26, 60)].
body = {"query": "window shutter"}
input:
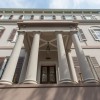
[(18, 70), (54, 17), (32, 17), (82, 35), (93, 34), (11, 17), (96, 66), (42, 17), (75, 61), (1, 32), (77, 68), (1, 61), (20, 17), (11, 37)]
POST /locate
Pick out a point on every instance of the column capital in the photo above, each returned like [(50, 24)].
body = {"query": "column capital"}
[(68, 50), (58, 32), (37, 32)]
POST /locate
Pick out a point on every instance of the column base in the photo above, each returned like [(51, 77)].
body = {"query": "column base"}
[(4, 82), (92, 81), (30, 82), (66, 81)]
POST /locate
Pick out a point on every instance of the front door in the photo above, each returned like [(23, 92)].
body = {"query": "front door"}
[(48, 74)]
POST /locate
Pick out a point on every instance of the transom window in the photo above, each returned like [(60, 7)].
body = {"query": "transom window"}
[(48, 75)]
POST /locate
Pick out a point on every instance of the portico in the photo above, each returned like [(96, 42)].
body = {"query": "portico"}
[(43, 40)]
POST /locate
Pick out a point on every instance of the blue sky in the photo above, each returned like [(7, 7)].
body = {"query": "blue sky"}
[(51, 4)]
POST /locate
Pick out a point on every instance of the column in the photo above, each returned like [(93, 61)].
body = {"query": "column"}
[(64, 74), (72, 68), (85, 68), (11, 65), (31, 74), (24, 68)]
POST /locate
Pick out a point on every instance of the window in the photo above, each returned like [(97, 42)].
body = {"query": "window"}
[(6, 17), (81, 35), (48, 75), (95, 31), (68, 17), (0, 16), (47, 17), (27, 17), (20, 17), (15, 17), (18, 70), (88, 17), (94, 66), (1, 30), (3, 62), (13, 36), (77, 68)]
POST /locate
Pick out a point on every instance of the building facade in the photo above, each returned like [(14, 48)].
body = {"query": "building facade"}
[(49, 54)]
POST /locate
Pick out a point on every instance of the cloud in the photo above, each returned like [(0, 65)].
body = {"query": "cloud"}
[(74, 4), (59, 3), (17, 3)]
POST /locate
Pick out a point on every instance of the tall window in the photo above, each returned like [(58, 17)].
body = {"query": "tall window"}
[(95, 31), (13, 35), (1, 30), (81, 35)]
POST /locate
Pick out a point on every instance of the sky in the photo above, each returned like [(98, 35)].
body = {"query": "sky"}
[(51, 4)]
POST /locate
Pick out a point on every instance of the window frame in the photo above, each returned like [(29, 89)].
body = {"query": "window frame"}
[(93, 33)]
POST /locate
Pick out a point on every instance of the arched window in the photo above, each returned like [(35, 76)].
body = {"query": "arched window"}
[(95, 31)]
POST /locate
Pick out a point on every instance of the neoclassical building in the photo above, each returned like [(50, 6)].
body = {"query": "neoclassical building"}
[(49, 54)]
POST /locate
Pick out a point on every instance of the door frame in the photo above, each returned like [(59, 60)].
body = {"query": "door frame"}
[(47, 63)]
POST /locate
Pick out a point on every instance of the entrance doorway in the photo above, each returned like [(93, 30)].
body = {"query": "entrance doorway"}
[(48, 75)]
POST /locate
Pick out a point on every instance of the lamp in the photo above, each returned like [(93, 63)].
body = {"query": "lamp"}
[(48, 51)]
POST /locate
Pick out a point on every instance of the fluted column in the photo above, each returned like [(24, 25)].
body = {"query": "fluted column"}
[(31, 73), (64, 74), (11, 65), (84, 66), (24, 68), (72, 68)]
